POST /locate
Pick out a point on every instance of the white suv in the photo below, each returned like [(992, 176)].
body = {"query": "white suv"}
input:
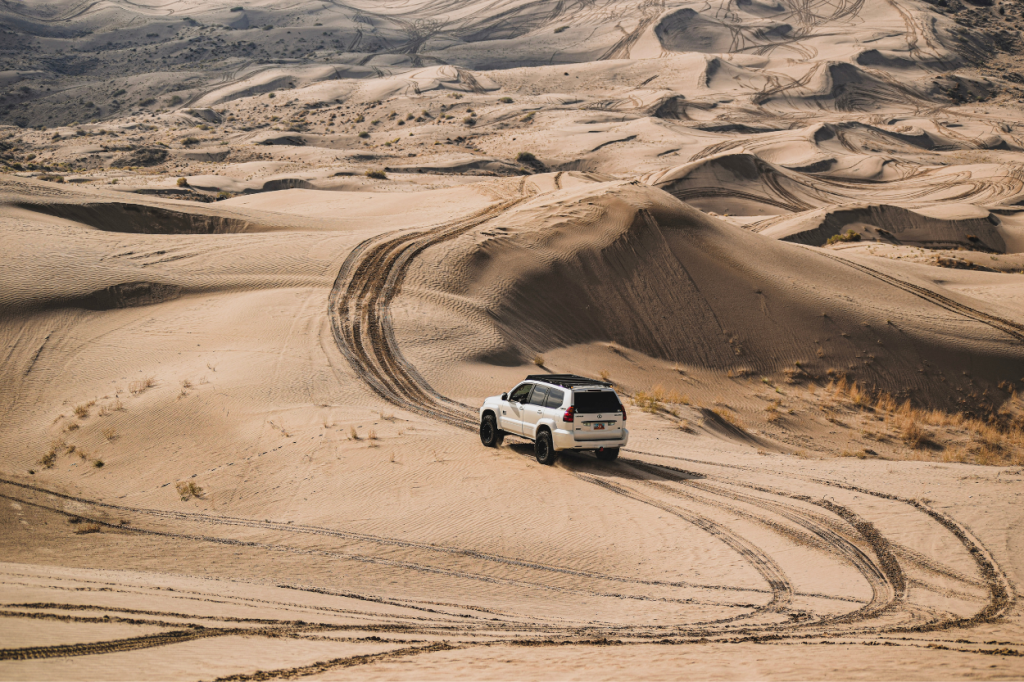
[(557, 412)]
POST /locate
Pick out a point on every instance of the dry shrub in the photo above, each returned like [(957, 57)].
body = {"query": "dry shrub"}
[(858, 396), (956, 454), (910, 433), (685, 426), (371, 434), (387, 416), (85, 528), (729, 418), (187, 490), (795, 375), (772, 415), (98, 463), (82, 410), (988, 456), (538, 360), (739, 373), (58, 447), (110, 433), (352, 433), (646, 402), (186, 383), (885, 403), (677, 398), (604, 375), (140, 385), (73, 426)]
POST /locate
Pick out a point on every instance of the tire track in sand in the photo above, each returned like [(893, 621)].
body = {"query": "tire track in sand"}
[(357, 308), (368, 281)]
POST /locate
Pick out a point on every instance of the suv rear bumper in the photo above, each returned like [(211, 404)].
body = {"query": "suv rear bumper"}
[(563, 439)]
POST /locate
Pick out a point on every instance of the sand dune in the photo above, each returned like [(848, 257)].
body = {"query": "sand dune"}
[(263, 261)]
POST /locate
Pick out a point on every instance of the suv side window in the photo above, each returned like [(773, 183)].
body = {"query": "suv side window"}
[(540, 394), (521, 393), (555, 398)]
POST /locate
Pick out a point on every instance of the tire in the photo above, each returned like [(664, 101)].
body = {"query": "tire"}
[(490, 435), (608, 454), (544, 449)]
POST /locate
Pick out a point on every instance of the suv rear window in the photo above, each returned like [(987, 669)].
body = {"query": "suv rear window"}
[(555, 398), (597, 401)]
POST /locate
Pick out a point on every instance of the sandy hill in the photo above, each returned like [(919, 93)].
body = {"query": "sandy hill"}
[(262, 262)]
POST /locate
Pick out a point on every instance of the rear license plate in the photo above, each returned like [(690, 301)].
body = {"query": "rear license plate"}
[(599, 427)]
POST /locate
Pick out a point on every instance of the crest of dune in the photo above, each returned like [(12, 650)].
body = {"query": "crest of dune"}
[(267, 269)]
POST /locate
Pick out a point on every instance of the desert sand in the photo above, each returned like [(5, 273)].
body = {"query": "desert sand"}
[(261, 264)]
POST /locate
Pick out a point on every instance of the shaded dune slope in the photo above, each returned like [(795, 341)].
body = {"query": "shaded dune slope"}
[(629, 264), (975, 229), (113, 216), (745, 184)]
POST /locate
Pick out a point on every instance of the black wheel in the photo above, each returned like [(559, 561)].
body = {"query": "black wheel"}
[(608, 454), (543, 448), (490, 434)]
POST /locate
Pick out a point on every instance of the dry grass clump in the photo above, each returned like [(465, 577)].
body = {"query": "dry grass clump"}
[(797, 374), (728, 418), (996, 439), (652, 401), (141, 385), (649, 401), (677, 398), (82, 410), (538, 360), (772, 415), (86, 528), (186, 383), (604, 375), (73, 426), (387, 416), (911, 433), (739, 373), (352, 433), (58, 447), (371, 434), (110, 433), (187, 490)]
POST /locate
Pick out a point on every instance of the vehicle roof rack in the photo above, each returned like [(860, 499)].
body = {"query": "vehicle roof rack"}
[(566, 380)]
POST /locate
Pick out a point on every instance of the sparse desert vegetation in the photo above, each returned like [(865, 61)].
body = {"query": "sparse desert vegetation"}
[(788, 235), (140, 386), (188, 490)]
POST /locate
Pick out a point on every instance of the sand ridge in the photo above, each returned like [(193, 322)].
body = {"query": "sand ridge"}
[(263, 262)]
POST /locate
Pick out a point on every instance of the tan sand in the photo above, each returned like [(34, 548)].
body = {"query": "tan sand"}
[(238, 410)]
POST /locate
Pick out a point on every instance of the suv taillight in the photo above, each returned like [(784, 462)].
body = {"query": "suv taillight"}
[(623, 408), (568, 416)]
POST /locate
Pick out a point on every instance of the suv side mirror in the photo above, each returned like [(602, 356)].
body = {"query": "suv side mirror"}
[(504, 396)]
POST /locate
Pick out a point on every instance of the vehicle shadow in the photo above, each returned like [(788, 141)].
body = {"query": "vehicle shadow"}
[(584, 462)]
